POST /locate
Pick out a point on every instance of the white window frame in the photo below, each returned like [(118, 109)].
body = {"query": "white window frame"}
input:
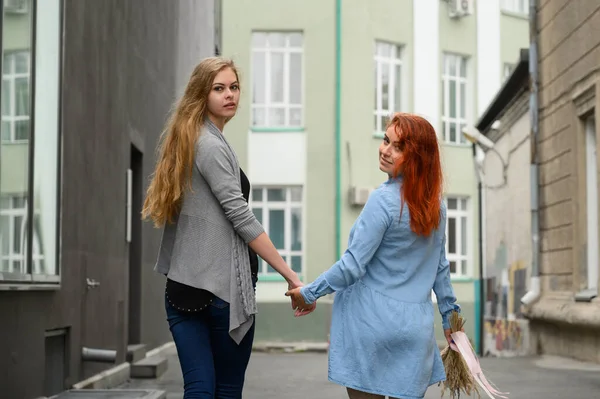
[(36, 272), (463, 211), (287, 50), (459, 120), (9, 62), (515, 6), (591, 180), (265, 205), (390, 61), (12, 213)]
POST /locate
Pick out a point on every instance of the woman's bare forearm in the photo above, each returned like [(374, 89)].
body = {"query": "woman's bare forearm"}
[(263, 246)]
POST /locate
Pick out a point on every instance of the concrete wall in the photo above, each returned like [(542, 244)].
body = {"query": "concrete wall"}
[(508, 232), (569, 50), (121, 72)]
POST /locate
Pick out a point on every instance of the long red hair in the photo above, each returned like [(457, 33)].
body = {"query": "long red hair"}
[(421, 171)]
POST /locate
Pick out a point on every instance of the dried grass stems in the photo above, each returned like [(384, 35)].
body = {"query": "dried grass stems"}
[(458, 376)]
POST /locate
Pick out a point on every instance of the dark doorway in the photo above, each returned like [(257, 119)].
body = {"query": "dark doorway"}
[(135, 198)]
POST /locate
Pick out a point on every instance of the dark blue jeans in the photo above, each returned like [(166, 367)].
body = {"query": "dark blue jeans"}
[(212, 364)]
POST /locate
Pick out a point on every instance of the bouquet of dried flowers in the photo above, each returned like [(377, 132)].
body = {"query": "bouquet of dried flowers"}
[(458, 376)]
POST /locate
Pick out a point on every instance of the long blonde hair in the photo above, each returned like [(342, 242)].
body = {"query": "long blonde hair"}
[(176, 150)]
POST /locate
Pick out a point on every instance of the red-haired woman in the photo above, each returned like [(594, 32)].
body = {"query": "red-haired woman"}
[(382, 329)]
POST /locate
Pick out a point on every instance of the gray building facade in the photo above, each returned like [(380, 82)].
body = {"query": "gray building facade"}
[(86, 89)]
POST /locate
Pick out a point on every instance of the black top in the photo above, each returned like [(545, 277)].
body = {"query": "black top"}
[(191, 299)]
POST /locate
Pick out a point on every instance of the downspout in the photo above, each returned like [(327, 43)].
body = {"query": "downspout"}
[(479, 308), (338, 133), (534, 282)]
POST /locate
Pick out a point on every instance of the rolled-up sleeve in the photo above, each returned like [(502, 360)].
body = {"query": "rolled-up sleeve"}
[(368, 231), (442, 287), (215, 165)]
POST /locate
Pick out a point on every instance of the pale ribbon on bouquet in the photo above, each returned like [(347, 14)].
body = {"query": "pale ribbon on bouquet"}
[(463, 346)]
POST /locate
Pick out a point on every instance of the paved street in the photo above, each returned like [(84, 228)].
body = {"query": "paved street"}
[(304, 375)]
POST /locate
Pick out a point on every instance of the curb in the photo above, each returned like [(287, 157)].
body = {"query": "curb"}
[(118, 374), (106, 379)]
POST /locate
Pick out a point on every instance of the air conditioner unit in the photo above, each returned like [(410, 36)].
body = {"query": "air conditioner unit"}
[(16, 6), (358, 196), (460, 8)]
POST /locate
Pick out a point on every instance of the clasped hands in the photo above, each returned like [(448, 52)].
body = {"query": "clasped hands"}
[(300, 307)]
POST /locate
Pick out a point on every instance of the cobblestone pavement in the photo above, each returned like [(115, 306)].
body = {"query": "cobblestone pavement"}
[(304, 375)]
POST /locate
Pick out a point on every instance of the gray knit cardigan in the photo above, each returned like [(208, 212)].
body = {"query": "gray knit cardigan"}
[(207, 245)]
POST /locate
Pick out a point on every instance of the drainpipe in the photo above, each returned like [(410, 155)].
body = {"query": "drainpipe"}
[(98, 355), (534, 283), (481, 310), (338, 133)]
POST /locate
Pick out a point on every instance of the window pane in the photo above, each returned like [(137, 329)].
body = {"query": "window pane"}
[(451, 65), (259, 117), (452, 203), (296, 39), (463, 235), (453, 132), (276, 194), (276, 40), (295, 79), (463, 67), (452, 267), (6, 99), (463, 100), (296, 193), (258, 78), (276, 117), (45, 173), (277, 77), (463, 267), (452, 99), (259, 39), (258, 212), (296, 117), (22, 96), (257, 194), (22, 130), (297, 264), (451, 235), (385, 86), (296, 229), (398, 93), (277, 228)]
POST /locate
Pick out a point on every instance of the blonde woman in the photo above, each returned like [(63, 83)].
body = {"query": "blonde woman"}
[(199, 195)]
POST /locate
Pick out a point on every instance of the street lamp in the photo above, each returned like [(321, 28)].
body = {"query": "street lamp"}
[(479, 140)]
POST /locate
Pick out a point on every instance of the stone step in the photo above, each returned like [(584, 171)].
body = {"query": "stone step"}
[(149, 367), (136, 352), (111, 394)]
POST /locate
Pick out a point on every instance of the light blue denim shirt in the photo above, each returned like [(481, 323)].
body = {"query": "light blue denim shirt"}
[(383, 302)]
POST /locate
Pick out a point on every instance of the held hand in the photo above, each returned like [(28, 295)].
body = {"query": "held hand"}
[(298, 304), (291, 285), (447, 334)]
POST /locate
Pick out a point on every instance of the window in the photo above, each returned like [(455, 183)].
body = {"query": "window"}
[(15, 96), (279, 210), (516, 6), (388, 82), (591, 182), (454, 98), (29, 145), (277, 80), (457, 235)]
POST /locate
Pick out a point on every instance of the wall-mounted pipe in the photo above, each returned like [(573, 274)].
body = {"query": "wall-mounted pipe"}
[(534, 284), (98, 355)]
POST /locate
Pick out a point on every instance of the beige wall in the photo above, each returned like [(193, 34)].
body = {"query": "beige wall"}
[(569, 51)]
